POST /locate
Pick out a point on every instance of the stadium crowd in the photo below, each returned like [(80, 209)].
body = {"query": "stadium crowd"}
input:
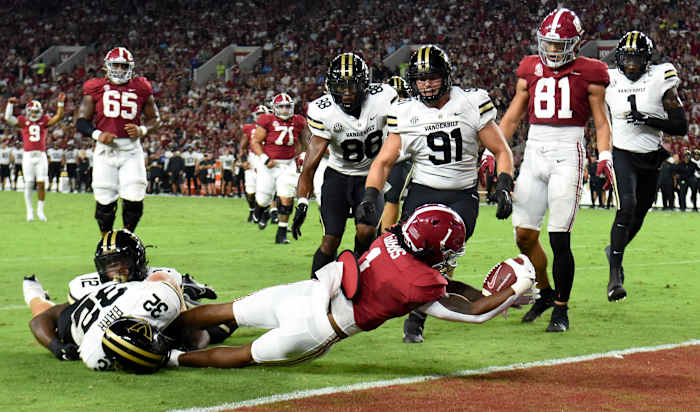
[(298, 40)]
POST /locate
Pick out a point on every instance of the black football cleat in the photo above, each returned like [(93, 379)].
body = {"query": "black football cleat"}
[(545, 301), (560, 319), (262, 221), (251, 217), (274, 217), (615, 290), (196, 290), (413, 328)]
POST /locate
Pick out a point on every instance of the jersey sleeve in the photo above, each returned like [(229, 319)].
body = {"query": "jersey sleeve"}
[(144, 86), (315, 116), (21, 120), (300, 122), (264, 121), (525, 67), (485, 108), (670, 77), (91, 86), (165, 306), (392, 117), (79, 287), (597, 72)]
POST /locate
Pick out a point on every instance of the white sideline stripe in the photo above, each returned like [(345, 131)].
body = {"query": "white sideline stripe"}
[(416, 379), (13, 307)]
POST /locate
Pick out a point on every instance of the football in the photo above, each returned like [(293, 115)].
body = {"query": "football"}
[(500, 277)]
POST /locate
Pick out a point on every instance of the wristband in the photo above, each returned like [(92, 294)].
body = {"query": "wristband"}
[(60, 104), (265, 158), (144, 130), (605, 155), (371, 194), (302, 201), (96, 135)]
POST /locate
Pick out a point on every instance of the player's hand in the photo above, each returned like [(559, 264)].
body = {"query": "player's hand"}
[(487, 166), (366, 211), (62, 97), (299, 217), (106, 137), (64, 351), (504, 197), (246, 165), (605, 167), (271, 163), (637, 118), (134, 131)]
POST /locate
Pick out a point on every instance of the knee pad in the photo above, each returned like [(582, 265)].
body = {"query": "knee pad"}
[(131, 213), (105, 214), (285, 210)]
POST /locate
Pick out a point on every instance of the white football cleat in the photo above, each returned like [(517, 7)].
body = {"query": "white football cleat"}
[(30, 216), (31, 289), (41, 216)]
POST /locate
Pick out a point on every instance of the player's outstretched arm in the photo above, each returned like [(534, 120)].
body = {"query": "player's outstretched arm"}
[(9, 116), (43, 327), (59, 110)]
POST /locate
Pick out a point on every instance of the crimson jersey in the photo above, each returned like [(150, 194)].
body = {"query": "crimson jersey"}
[(33, 133), (117, 105), (249, 130), (281, 135), (393, 283), (560, 97)]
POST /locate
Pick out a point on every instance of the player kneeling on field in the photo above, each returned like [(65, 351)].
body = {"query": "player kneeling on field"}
[(403, 269)]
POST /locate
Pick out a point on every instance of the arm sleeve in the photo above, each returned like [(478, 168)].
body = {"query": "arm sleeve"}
[(439, 311), (9, 117)]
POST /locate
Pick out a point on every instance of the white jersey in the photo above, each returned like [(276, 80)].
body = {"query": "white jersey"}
[(71, 156), (227, 161), (648, 94), (354, 142), (55, 155), (188, 157), (82, 285), (443, 142), (5, 154), (157, 303), (697, 167), (19, 155)]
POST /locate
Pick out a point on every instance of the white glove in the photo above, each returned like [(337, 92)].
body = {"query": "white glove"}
[(525, 274)]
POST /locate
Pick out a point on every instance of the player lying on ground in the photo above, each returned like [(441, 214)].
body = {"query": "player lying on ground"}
[(120, 257), (402, 270)]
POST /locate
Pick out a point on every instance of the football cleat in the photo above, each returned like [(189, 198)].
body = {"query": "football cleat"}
[(274, 217), (622, 270), (413, 328), (30, 216), (196, 290), (31, 288), (262, 222), (41, 216), (251, 217), (560, 320), (545, 302), (281, 240)]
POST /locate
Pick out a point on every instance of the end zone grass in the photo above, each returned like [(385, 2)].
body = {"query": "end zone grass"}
[(208, 238)]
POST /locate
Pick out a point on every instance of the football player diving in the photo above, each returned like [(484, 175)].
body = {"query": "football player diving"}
[(403, 269)]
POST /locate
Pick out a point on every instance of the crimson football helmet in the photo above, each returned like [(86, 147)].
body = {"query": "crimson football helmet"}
[(260, 109), (558, 38), (429, 60), (435, 234), (120, 65), (283, 106), (633, 54), (349, 73), (34, 110), (120, 256)]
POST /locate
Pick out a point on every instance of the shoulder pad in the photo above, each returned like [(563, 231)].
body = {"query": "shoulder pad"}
[(93, 85)]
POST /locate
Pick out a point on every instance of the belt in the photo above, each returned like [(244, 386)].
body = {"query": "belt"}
[(336, 328)]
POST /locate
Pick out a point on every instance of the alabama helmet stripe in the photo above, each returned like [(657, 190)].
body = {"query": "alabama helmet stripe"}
[(555, 22)]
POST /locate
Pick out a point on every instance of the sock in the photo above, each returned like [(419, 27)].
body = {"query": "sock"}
[(28, 198), (32, 289), (173, 358), (40, 207)]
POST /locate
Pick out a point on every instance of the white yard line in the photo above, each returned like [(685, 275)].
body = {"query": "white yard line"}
[(416, 379)]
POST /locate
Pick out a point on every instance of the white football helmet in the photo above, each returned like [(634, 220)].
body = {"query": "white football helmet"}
[(34, 110), (120, 65), (283, 106), (260, 109)]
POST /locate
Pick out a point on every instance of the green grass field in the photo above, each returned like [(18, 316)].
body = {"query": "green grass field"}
[(210, 239)]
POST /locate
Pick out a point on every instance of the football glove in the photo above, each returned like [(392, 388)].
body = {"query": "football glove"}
[(487, 166), (367, 211), (504, 188), (605, 167), (196, 290), (637, 118), (64, 351), (299, 217)]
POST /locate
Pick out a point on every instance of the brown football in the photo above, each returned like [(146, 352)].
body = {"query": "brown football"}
[(500, 277)]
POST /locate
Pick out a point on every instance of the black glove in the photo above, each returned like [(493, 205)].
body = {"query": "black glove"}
[(504, 188), (64, 351), (366, 211), (637, 118), (299, 217)]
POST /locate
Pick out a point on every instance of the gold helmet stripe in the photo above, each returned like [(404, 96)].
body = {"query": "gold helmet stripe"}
[(116, 339), (107, 242), (346, 60)]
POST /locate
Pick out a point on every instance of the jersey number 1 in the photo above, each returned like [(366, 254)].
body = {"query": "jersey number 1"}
[(545, 93)]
